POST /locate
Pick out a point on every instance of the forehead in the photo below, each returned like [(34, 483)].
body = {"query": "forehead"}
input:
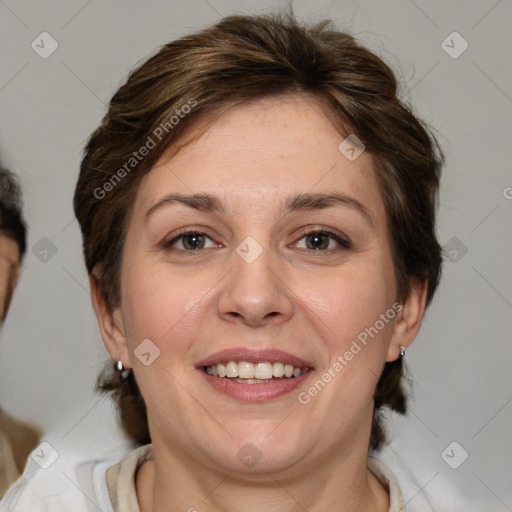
[(263, 149)]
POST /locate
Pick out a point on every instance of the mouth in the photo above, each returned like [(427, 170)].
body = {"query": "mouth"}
[(254, 376), (264, 372)]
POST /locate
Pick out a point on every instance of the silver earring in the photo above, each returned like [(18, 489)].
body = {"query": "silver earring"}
[(402, 351), (120, 370)]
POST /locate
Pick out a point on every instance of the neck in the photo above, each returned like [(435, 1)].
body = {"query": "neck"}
[(337, 483)]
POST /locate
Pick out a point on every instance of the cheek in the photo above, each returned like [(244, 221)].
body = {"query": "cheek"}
[(160, 305), (347, 302), (354, 316)]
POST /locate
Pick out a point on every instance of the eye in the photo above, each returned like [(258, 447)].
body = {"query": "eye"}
[(190, 241), (322, 240)]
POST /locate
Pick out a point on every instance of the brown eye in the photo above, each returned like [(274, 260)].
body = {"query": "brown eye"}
[(323, 241), (192, 242), (317, 242)]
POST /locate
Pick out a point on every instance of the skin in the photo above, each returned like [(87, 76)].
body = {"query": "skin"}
[(310, 303), (9, 271), (21, 438)]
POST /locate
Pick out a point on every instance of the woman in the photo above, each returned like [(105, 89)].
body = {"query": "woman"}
[(258, 220)]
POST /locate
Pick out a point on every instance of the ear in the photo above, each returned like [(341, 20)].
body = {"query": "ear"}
[(110, 321), (409, 318)]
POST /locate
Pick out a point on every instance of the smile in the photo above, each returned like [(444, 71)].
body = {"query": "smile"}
[(255, 373), (249, 375)]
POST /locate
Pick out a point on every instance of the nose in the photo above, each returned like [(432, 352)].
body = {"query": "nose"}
[(255, 294)]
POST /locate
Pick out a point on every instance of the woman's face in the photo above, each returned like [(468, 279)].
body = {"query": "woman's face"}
[(261, 242)]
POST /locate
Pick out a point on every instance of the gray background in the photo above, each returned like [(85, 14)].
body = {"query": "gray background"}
[(50, 348)]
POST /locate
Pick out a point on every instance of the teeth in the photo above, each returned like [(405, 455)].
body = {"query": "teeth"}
[(278, 369), (250, 373), (263, 371), (246, 370), (254, 381), (231, 369)]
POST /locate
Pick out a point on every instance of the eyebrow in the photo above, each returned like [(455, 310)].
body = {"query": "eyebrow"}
[(296, 203), (309, 201), (201, 202)]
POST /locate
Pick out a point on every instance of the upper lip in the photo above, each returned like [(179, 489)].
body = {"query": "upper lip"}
[(254, 356)]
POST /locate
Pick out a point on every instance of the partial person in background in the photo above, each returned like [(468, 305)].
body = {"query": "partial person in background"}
[(16, 439)]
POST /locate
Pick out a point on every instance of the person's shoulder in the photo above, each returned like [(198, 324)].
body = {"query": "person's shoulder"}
[(62, 482), (423, 487), (9, 472), (22, 437)]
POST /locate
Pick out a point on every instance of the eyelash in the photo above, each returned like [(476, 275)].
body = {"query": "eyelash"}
[(343, 241), (167, 244)]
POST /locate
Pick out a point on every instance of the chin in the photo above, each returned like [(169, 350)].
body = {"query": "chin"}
[(262, 454)]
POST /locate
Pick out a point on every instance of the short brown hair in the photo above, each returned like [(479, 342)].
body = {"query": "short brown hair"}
[(251, 57)]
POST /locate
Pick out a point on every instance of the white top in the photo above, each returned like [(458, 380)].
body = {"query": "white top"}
[(108, 485)]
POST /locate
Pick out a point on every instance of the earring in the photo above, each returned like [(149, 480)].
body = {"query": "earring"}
[(120, 370), (402, 351)]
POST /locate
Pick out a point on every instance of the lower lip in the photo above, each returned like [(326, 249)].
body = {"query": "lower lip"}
[(255, 392)]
